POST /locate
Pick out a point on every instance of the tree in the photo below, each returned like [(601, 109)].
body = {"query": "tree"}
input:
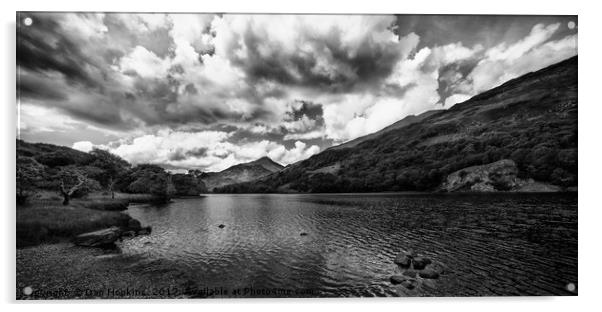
[(28, 175), (151, 179), (70, 181), (111, 165), (188, 184)]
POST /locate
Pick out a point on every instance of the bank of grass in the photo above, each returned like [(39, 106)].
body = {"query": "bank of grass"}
[(130, 198), (48, 221)]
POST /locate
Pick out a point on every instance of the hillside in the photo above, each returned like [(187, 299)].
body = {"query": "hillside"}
[(241, 173), (531, 120), (43, 167)]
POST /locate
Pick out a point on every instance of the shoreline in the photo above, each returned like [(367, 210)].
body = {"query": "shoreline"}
[(403, 193)]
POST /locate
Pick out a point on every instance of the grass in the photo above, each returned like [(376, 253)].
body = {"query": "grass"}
[(49, 221), (132, 198), (46, 220)]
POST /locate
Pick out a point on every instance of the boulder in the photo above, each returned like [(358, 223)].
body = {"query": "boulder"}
[(409, 283), (420, 263), (404, 259), (409, 273), (128, 234), (144, 231), (101, 238), (429, 274), (397, 279), (134, 225)]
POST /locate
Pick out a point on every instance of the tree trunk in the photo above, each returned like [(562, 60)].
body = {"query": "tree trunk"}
[(65, 199)]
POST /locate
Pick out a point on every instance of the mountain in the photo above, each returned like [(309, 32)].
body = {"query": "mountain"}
[(530, 120), (241, 173)]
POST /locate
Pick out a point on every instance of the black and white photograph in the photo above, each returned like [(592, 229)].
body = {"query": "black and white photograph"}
[(190, 156)]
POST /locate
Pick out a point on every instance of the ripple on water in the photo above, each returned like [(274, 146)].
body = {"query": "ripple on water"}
[(506, 244)]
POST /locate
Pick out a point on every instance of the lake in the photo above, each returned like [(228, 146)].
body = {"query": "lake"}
[(484, 244)]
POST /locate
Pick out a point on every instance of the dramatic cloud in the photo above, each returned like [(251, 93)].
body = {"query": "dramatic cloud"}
[(208, 91), (208, 150)]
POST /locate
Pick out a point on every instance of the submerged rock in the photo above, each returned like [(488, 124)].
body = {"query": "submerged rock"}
[(397, 279), (404, 259), (128, 234), (409, 273), (144, 231), (429, 274), (409, 283), (134, 225), (101, 238), (420, 263)]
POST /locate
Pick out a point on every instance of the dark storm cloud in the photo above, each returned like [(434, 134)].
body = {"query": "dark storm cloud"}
[(211, 90), (486, 30), (366, 66), (42, 47), (32, 86), (451, 75), (312, 110), (181, 154)]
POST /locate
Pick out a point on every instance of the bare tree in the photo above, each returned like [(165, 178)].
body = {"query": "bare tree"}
[(67, 193), (111, 186)]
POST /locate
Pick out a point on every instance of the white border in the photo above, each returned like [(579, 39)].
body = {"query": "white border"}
[(590, 103)]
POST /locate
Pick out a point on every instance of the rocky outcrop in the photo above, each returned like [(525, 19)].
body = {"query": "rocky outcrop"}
[(101, 238), (497, 176), (106, 238)]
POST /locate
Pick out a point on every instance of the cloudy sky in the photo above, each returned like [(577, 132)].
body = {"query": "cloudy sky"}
[(209, 91)]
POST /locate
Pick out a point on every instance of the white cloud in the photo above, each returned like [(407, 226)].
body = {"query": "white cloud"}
[(299, 152), (503, 62), (84, 146), (84, 26), (145, 63), (167, 146), (455, 99)]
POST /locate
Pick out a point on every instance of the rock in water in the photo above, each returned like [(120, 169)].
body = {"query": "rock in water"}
[(221, 226), (429, 274), (409, 273), (403, 260), (303, 234), (101, 238), (410, 283), (134, 225), (420, 262), (145, 230), (397, 279)]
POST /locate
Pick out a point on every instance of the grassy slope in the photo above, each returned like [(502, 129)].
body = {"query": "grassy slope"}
[(531, 119), (49, 221)]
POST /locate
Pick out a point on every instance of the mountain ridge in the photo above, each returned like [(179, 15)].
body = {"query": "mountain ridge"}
[(242, 172), (531, 119)]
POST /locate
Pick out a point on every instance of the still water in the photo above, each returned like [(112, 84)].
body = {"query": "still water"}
[(486, 244)]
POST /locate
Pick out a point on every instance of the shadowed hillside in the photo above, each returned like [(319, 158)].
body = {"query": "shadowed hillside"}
[(531, 120)]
